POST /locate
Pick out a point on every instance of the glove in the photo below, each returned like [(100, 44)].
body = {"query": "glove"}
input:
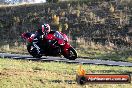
[(42, 36)]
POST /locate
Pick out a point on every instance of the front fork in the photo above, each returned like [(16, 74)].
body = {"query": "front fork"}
[(66, 47)]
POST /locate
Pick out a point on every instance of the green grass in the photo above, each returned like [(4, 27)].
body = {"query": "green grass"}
[(97, 51), (31, 74), (115, 55)]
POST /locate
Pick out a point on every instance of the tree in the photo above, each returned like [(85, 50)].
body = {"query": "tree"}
[(112, 9)]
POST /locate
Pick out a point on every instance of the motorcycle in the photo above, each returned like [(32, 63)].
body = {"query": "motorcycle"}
[(56, 44)]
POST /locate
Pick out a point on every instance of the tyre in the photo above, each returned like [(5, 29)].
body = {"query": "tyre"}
[(33, 51), (72, 54)]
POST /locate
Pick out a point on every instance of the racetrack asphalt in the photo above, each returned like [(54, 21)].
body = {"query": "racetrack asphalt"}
[(58, 59)]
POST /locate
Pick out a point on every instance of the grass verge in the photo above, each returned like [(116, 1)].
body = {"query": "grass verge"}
[(106, 52), (31, 74)]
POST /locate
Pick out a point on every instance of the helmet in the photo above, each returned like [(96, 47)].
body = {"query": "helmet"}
[(45, 28)]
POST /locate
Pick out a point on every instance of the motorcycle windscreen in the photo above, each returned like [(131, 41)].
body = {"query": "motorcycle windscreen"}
[(58, 35)]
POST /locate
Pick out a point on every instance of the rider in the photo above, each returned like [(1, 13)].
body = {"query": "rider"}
[(39, 35)]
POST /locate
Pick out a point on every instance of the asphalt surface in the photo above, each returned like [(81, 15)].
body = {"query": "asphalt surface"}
[(58, 59)]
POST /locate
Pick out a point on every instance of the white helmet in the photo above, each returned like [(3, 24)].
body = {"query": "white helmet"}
[(45, 28)]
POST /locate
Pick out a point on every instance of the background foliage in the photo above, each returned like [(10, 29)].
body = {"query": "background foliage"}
[(105, 22)]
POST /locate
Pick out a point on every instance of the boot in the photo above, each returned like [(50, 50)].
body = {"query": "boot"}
[(37, 47)]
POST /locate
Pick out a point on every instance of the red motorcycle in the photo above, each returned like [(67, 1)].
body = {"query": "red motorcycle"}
[(54, 44)]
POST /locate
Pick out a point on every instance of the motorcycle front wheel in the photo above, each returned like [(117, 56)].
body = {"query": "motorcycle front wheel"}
[(32, 51), (72, 54)]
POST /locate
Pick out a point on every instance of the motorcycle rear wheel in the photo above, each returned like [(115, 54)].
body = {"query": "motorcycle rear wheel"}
[(33, 52)]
